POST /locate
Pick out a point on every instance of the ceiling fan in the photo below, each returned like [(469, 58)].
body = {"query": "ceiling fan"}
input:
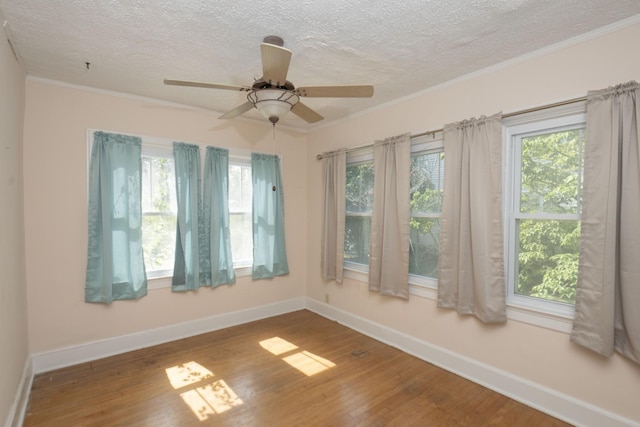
[(272, 94)]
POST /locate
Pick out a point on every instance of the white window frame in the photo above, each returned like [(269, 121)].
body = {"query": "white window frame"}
[(525, 310), (425, 144), (241, 269), (418, 285), (152, 147), (549, 314), (356, 270)]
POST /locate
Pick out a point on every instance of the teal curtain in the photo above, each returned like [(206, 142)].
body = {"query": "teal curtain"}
[(186, 270), (115, 261), (269, 250), (216, 217)]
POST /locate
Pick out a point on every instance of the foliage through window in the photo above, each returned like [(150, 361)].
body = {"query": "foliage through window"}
[(426, 190), (542, 196), (158, 215), (359, 203), (426, 186), (544, 219)]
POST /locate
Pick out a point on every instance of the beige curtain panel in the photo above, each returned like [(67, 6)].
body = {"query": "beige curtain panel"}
[(607, 311), (390, 216), (471, 266), (334, 165)]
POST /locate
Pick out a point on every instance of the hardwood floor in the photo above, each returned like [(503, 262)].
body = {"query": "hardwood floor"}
[(298, 369)]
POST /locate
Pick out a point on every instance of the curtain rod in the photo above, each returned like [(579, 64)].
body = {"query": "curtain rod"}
[(504, 116)]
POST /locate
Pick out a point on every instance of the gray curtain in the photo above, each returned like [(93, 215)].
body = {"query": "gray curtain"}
[(334, 165), (390, 216), (607, 315), (471, 271)]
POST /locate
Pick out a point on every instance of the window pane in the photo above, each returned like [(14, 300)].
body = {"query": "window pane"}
[(241, 231), (423, 254), (356, 239), (426, 186), (547, 255), (359, 191), (552, 172), (359, 203), (159, 217), (158, 243), (239, 188), (240, 219), (427, 180)]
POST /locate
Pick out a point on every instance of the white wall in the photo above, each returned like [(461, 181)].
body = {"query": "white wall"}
[(13, 301), (535, 354), (55, 179)]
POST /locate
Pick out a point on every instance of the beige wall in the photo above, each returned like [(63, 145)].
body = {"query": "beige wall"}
[(55, 170), (56, 121), (543, 356), (13, 301)]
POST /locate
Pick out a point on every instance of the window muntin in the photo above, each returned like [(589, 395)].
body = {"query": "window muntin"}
[(544, 215), (426, 191)]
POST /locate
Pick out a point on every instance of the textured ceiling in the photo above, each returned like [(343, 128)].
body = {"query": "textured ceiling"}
[(399, 46)]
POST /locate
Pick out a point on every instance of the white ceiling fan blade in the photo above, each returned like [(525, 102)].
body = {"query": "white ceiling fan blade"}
[(205, 85), (306, 113), (241, 109), (275, 63), (364, 91)]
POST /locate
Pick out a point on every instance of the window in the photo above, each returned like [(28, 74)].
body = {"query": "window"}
[(159, 214), (543, 199), (426, 187), (240, 217), (358, 206), (159, 208)]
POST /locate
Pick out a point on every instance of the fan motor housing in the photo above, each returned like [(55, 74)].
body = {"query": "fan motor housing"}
[(263, 84)]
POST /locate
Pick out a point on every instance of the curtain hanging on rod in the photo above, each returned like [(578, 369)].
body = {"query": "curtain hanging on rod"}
[(504, 116)]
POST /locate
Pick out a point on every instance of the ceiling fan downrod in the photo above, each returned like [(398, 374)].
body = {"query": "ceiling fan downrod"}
[(275, 40)]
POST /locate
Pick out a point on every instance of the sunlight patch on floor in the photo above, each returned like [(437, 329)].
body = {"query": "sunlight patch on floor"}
[(187, 373), (204, 397), (304, 361), (277, 346), (211, 399), (308, 363)]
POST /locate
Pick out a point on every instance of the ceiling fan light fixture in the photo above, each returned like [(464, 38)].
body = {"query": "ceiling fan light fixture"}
[(273, 103)]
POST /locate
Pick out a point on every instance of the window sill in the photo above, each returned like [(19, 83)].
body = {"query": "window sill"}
[(519, 313), (165, 281), (420, 287), (552, 321)]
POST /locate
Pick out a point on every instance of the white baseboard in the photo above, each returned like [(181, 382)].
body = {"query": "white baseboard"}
[(19, 407), (60, 358), (544, 399), (547, 400)]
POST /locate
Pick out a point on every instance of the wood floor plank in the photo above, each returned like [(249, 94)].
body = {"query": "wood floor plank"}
[(298, 369)]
